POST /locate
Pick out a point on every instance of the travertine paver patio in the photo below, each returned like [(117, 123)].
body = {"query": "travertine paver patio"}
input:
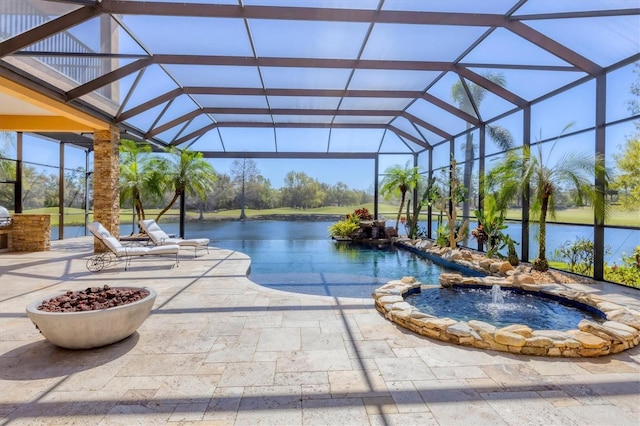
[(218, 349)]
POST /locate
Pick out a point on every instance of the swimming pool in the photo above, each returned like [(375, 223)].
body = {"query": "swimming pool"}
[(514, 306), (299, 257), (329, 268)]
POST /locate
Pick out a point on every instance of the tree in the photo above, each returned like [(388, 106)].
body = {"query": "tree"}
[(222, 195), (499, 135), (397, 181), (301, 191), (340, 195), (243, 171), (33, 188), (633, 105), (628, 180), (574, 169), (51, 185), (263, 196), (74, 187), (140, 174), (7, 170), (187, 173)]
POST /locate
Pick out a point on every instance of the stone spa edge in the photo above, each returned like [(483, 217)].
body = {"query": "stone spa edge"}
[(619, 332)]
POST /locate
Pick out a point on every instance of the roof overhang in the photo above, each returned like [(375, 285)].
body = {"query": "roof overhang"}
[(26, 110)]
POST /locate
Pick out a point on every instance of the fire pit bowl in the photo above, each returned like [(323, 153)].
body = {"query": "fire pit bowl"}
[(92, 328)]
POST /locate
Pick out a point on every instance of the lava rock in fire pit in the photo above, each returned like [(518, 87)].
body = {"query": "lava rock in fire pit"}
[(92, 299)]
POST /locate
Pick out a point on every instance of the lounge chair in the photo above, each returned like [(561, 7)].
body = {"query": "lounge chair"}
[(160, 238), (100, 260)]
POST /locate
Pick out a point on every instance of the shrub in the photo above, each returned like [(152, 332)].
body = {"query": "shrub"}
[(344, 228), (628, 273), (579, 255), (361, 214), (347, 227), (442, 239)]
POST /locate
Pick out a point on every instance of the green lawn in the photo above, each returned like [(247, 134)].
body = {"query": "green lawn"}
[(75, 216), (575, 215), (585, 215), (331, 210)]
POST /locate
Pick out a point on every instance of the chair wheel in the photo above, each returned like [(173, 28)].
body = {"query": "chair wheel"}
[(95, 263), (109, 259)]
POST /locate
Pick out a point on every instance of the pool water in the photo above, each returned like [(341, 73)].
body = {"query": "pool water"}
[(329, 268), (464, 304), (299, 257)]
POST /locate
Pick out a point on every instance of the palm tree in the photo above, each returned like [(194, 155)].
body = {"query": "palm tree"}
[(397, 181), (187, 172), (138, 174), (578, 170), (499, 135)]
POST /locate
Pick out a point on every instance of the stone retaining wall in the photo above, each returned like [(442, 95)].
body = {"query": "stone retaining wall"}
[(621, 331), (30, 232)]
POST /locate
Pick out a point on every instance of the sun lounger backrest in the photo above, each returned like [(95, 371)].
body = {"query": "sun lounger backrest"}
[(105, 236), (98, 230), (154, 231)]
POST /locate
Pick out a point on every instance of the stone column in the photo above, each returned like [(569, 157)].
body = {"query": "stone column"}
[(106, 187)]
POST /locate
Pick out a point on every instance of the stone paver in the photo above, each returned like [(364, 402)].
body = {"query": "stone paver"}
[(221, 350)]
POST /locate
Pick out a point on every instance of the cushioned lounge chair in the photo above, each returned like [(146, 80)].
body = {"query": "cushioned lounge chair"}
[(160, 238), (100, 260)]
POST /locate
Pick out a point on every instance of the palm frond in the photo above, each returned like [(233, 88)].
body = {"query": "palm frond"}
[(501, 136)]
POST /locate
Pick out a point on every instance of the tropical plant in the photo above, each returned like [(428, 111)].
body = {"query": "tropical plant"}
[(442, 236), (345, 228), (362, 214), (139, 174), (187, 173), (429, 196), (490, 225), (512, 254), (456, 231), (519, 169), (470, 104), (398, 181)]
